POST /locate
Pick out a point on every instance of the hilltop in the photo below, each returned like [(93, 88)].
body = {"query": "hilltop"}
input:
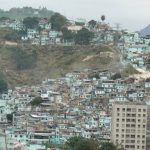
[(145, 32), (53, 61), (20, 13)]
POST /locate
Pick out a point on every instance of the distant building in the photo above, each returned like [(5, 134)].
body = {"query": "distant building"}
[(129, 121)]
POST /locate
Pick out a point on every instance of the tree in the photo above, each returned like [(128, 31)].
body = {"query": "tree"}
[(12, 36), (67, 34), (31, 22), (109, 146), (36, 101), (80, 143), (116, 76), (58, 21), (147, 80), (92, 23), (103, 18), (24, 59), (3, 84), (4, 18), (83, 37)]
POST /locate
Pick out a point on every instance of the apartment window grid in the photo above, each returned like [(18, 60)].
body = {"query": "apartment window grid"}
[(130, 124)]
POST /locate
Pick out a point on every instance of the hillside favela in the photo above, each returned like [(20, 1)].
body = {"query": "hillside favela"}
[(74, 75)]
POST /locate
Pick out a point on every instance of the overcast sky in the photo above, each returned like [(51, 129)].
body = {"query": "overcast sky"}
[(131, 14)]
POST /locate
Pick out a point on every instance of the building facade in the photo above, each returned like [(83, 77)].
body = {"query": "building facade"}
[(129, 123)]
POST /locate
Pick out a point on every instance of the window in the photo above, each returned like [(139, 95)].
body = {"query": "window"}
[(128, 120), (139, 110), (127, 135), (132, 125), (123, 109), (127, 125), (127, 146), (132, 136), (133, 115), (129, 109), (123, 114), (144, 115), (133, 109), (118, 109)]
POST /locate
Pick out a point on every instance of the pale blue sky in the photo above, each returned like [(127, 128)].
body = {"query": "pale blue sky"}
[(131, 14)]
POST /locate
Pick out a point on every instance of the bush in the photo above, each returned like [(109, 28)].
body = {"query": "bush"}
[(116, 76), (24, 59), (36, 101), (3, 84), (130, 70)]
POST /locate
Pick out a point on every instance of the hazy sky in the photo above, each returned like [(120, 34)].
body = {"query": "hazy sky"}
[(131, 14)]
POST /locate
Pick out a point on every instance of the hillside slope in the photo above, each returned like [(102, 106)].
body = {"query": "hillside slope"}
[(145, 32), (20, 13), (55, 61)]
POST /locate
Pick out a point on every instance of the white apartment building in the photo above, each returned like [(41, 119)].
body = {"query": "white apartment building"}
[(129, 121)]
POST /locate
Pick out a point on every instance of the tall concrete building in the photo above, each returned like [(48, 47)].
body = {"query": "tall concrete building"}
[(148, 129), (129, 123)]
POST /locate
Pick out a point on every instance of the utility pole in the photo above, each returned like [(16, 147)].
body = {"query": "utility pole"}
[(116, 34), (5, 141)]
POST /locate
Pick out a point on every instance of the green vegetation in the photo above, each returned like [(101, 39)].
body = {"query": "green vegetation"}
[(10, 35), (68, 35), (58, 21), (83, 37), (36, 101), (80, 143), (23, 59), (20, 13), (116, 76), (28, 64), (130, 70), (31, 22), (147, 80), (3, 84), (103, 18), (109, 146), (92, 23)]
